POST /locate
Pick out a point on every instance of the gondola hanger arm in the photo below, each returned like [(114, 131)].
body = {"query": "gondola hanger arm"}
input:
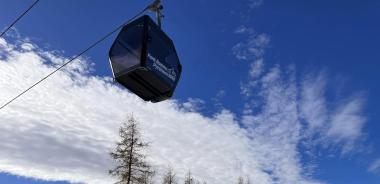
[(156, 7)]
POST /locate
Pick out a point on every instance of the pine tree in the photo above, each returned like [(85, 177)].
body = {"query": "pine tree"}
[(169, 177), (240, 180), (147, 178), (189, 178), (132, 167)]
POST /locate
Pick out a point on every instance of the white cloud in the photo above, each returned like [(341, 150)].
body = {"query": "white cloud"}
[(193, 104), (245, 8), (220, 94), (374, 167), (284, 114), (27, 46), (253, 48), (256, 68), (217, 100), (313, 107), (243, 29), (347, 122), (276, 125), (64, 128), (255, 3), (339, 123)]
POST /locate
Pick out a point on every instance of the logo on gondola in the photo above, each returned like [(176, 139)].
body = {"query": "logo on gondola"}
[(168, 72)]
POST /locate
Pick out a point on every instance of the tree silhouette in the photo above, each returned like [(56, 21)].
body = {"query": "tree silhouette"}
[(132, 167), (189, 178), (169, 177), (241, 180)]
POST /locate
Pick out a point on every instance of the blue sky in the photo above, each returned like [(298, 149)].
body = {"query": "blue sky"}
[(323, 48)]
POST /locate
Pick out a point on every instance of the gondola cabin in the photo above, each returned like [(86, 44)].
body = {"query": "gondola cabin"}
[(144, 60)]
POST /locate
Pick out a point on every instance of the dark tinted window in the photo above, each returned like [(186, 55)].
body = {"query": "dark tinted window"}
[(126, 51)]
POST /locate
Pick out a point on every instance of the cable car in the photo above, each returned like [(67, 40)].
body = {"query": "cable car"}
[(144, 60)]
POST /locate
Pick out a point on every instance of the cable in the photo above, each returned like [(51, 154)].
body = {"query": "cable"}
[(18, 18), (75, 57)]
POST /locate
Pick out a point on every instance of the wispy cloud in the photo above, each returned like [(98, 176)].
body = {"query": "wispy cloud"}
[(255, 3), (256, 69), (253, 47), (284, 115), (193, 104), (285, 110), (339, 123), (374, 167)]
